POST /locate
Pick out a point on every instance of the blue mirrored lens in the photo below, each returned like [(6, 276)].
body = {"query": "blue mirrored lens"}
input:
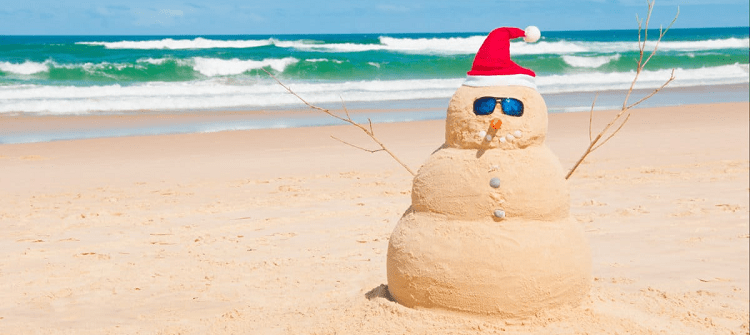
[(484, 106), (512, 107)]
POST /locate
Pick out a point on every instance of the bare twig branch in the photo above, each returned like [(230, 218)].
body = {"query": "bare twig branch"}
[(358, 147), (580, 160), (613, 133), (348, 120), (671, 78), (591, 116), (661, 34), (594, 143), (648, 19), (343, 105)]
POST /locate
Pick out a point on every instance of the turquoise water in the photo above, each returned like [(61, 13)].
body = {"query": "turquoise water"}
[(411, 75), (100, 74)]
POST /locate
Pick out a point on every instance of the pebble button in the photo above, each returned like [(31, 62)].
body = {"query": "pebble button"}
[(495, 182)]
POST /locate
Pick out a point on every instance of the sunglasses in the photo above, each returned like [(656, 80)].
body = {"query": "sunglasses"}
[(486, 105)]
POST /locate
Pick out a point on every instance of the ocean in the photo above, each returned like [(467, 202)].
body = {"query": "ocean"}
[(95, 75)]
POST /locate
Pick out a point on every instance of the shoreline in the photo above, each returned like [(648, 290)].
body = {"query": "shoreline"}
[(33, 128), (569, 130)]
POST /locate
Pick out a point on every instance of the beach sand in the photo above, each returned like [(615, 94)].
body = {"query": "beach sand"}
[(285, 231)]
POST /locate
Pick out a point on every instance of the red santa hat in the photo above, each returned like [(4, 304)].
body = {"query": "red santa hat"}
[(492, 64)]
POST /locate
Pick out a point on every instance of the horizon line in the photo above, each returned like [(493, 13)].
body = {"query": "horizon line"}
[(366, 33)]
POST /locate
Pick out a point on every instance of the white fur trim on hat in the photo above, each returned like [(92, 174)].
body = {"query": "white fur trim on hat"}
[(505, 80)]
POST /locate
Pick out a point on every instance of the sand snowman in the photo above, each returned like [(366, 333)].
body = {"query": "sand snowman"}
[(489, 229)]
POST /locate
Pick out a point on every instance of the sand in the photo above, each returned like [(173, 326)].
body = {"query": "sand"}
[(285, 231)]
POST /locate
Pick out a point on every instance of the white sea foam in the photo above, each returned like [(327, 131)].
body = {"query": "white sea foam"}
[(718, 44), (445, 46), (156, 61), (452, 45), (168, 43), (613, 47), (208, 94), (206, 66), (594, 82), (407, 45), (222, 67), (570, 47), (470, 45), (29, 67), (219, 93), (25, 68), (589, 62), (317, 60), (455, 45)]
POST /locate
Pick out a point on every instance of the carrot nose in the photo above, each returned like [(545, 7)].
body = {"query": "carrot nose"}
[(496, 124)]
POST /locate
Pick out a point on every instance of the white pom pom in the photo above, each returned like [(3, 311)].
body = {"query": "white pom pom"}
[(532, 34)]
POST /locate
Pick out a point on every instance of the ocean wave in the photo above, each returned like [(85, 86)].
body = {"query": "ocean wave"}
[(318, 60), (449, 46), (25, 68), (613, 47), (572, 47), (168, 43), (716, 44), (589, 62), (453, 45), (220, 92), (595, 82), (29, 67), (208, 94), (159, 61), (206, 66), (470, 45), (445, 46), (221, 67)]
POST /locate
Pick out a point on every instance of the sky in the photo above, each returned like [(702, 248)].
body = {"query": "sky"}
[(230, 17)]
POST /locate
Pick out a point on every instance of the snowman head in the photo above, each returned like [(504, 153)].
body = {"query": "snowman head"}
[(504, 117), (498, 106)]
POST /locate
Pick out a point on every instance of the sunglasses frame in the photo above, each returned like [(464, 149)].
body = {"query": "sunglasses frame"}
[(497, 100)]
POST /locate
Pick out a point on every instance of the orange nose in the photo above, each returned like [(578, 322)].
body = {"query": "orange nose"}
[(496, 124)]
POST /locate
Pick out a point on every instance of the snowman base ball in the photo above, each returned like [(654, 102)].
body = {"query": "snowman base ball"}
[(452, 251), (503, 271)]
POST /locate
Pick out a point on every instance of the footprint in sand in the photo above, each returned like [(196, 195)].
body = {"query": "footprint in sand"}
[(593, 203), (290, 188), (729, 207), (93, 255), (33, 158)]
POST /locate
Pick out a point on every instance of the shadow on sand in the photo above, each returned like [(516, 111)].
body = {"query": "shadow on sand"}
[(380, 292)]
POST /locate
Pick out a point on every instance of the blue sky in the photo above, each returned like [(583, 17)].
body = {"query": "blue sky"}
[(193, 17)]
